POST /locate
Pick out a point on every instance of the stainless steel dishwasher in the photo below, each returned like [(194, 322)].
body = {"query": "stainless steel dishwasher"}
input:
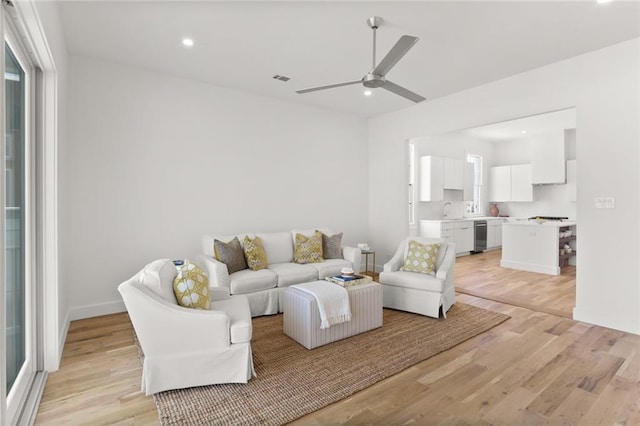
[(480, 236)]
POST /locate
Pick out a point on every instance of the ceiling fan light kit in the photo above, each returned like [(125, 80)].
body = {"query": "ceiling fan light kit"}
[(377, 76)]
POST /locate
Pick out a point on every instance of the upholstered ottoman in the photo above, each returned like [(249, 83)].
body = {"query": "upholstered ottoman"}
[(302, 319)]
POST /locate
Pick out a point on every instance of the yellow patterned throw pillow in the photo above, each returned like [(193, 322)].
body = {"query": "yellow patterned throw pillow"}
[(421, 258), (308, 249), (191, 287), (254, 253)]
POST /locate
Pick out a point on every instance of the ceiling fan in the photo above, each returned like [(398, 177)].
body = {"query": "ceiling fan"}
[(376, 77)]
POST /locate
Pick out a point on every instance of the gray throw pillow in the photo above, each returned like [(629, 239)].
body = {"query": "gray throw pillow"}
[(231, 254), (332, 246)]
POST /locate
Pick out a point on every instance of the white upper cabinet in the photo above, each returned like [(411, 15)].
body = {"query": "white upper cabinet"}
[(453, 174), (570, 188), (548, 158), (521, 188), (500, 184), (510, 183), (431, 178)]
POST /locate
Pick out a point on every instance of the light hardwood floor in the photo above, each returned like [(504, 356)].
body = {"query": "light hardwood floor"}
[(481, 275), (535, 368)]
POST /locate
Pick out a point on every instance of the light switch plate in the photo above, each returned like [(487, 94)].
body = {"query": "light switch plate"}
[(605, 202)]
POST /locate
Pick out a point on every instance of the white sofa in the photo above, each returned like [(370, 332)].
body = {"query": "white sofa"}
[(420, 293), (264, 288), (186, 347)]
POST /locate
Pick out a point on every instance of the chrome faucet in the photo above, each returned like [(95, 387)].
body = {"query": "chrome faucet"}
[(445, 212)]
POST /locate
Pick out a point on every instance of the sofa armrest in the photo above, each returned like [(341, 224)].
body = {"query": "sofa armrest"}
[(218, 275), (160, 325), (396, 261), (353, 255), (445, 271)]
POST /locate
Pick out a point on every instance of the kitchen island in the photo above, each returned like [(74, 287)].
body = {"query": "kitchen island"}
[(529, 245)]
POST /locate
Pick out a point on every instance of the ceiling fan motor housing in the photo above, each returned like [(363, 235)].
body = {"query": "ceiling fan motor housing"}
[(373, 80)]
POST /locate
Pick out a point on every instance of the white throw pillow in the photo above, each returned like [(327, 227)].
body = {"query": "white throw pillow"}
[(158, 277)]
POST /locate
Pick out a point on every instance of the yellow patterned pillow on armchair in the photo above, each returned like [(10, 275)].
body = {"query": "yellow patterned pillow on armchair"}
[(308, 249), (421, 258), (191, 287)]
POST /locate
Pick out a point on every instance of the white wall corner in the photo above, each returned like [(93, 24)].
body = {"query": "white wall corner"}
[(62, 338), (89, 311)]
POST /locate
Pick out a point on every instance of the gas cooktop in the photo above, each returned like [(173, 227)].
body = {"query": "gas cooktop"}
[(558, 218)]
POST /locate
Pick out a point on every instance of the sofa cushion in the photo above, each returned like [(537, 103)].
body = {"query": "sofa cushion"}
[(191, 287), (237, 308), (412, 280), (278, 246), (308, 233), (248, 281), (330, 267), (308, 249), (332, 246), (158, 277), (254, 253), (230, 254), (207, 242), (293, 273), (425, 240), (421, 258)]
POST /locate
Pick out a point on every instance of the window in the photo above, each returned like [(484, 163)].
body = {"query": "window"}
[(412, 185), (474, 206)]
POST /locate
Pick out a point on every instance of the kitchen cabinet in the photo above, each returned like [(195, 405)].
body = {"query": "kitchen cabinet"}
[(459, 232), (535, 247), (463, 236), (431, 178), (436, 229), (510, 183), (500, 185), (571, 188), (548, 158), (453, 174), (521, 188), (494, 233)]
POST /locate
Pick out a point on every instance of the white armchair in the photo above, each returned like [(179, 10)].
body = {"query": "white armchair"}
[(186, 347), (420, 293)]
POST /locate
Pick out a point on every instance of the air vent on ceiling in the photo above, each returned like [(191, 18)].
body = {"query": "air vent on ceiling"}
[(281, 77)]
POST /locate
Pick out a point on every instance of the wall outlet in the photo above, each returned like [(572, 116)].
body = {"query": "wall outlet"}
[(605, 202)]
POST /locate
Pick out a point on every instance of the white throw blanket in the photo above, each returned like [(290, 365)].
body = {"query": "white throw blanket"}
[(333, 302)]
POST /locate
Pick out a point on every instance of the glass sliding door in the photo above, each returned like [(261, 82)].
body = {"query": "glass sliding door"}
[(19, 289), (15, 297)]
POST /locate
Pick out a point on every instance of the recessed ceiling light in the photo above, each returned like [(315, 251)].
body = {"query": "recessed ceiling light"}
[(523, 132), (187, 42), (603, 1), (368, 92)]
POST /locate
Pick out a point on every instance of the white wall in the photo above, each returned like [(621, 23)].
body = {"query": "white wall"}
[(603, 86), (154, 162)]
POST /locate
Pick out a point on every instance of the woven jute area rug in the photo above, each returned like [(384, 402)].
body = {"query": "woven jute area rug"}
[(293, 381)]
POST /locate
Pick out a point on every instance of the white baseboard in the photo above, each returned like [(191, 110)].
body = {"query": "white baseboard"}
[(542, 269), (63, 336), (608, 319), (89, 311)]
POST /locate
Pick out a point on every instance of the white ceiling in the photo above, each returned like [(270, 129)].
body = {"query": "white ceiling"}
[(525, 127), (241, 45)]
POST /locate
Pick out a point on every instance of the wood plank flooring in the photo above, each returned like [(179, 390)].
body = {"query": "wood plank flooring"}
[(481, 275), (535, 368)]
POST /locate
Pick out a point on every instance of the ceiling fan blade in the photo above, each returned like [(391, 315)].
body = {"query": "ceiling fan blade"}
[(395, 54), (330, 86), (399, 90)]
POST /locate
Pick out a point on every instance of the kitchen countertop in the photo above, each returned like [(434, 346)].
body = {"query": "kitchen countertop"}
[(463, 219), (555, 223)]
